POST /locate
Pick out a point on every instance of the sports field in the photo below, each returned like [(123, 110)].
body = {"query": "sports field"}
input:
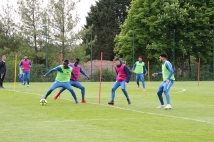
[(191, 119)]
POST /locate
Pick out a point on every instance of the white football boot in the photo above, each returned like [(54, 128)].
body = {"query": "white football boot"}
[(161, 106), (168, 106)]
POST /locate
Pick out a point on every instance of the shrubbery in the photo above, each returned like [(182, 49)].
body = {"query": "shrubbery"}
[(39, 69), (107, 75)]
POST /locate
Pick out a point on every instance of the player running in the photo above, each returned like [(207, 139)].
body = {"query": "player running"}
[(74, 80), (139, 67), (26, 65), (122, 79), (62, 79), (168, 80)]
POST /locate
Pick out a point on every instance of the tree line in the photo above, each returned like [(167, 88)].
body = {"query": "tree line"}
[(35, 24), (183, 29)]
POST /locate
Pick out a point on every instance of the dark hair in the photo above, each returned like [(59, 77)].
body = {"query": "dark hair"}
[(25, 55), (66, 61), (116, 59), (164, 55), (77, 61), (140, 57)]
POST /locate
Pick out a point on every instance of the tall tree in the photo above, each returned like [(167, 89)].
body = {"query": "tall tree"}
[(10, 40), (31, 22), (154, 21), (62, 23), (105, 19)]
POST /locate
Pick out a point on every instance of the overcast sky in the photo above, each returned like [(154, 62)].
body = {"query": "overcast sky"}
[(82, 8)]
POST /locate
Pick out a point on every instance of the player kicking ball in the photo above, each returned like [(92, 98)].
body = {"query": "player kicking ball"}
[(168, 80), (122, 79), (62, 79), (74, 80), (139, 67)]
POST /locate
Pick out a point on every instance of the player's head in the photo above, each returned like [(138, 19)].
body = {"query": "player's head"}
[(25, 57), (77, 61), (116, 61), (65, 64), (163, 57), (3, 57), (140, 58)]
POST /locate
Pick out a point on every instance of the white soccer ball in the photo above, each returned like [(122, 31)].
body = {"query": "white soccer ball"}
[(43, 102)]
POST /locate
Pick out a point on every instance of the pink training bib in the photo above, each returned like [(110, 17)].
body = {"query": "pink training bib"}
[(121, 74), (25, 65), (76, 71)]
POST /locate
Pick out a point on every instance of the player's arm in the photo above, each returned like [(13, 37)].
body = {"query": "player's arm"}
[(83, 72), (53, 70), (159, 73), (133, 68), (128, 75), (170, 69), (1, 63), (145, 69), (30, 64), (70, 65), (73, 75), (20, 64), (155, 74)]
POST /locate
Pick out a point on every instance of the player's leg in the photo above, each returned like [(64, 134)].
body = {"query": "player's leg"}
[(143, 82), (166, 92), (2, 76), (55, 85), (24, 78), (28, 78), (21, 77), (58, 94), (137, 80), (81, 87), (67, 86), (123, 88), (60, 91), (114, 88), (159, 93)]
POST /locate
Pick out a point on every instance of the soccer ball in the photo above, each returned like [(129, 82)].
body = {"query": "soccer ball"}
[(43, 102)]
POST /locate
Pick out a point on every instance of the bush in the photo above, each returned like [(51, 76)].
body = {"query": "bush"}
[(107, 75)]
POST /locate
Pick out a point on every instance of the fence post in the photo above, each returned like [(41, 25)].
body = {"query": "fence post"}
[(174, 47), (213, 54), (91, 54), (112, 74)]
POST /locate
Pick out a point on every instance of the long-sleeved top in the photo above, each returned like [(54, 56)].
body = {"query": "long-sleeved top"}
[(126, 69), (58, 68), (169, 68), (144, 67), (20, 64), (2, 66), (81, 70)]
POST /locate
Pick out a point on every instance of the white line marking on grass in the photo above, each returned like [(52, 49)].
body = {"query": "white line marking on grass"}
[(183, 90), (152, 113), (101, 119), (137, 111)]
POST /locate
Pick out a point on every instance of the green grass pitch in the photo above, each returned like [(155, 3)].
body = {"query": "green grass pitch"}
[(22, 118)]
